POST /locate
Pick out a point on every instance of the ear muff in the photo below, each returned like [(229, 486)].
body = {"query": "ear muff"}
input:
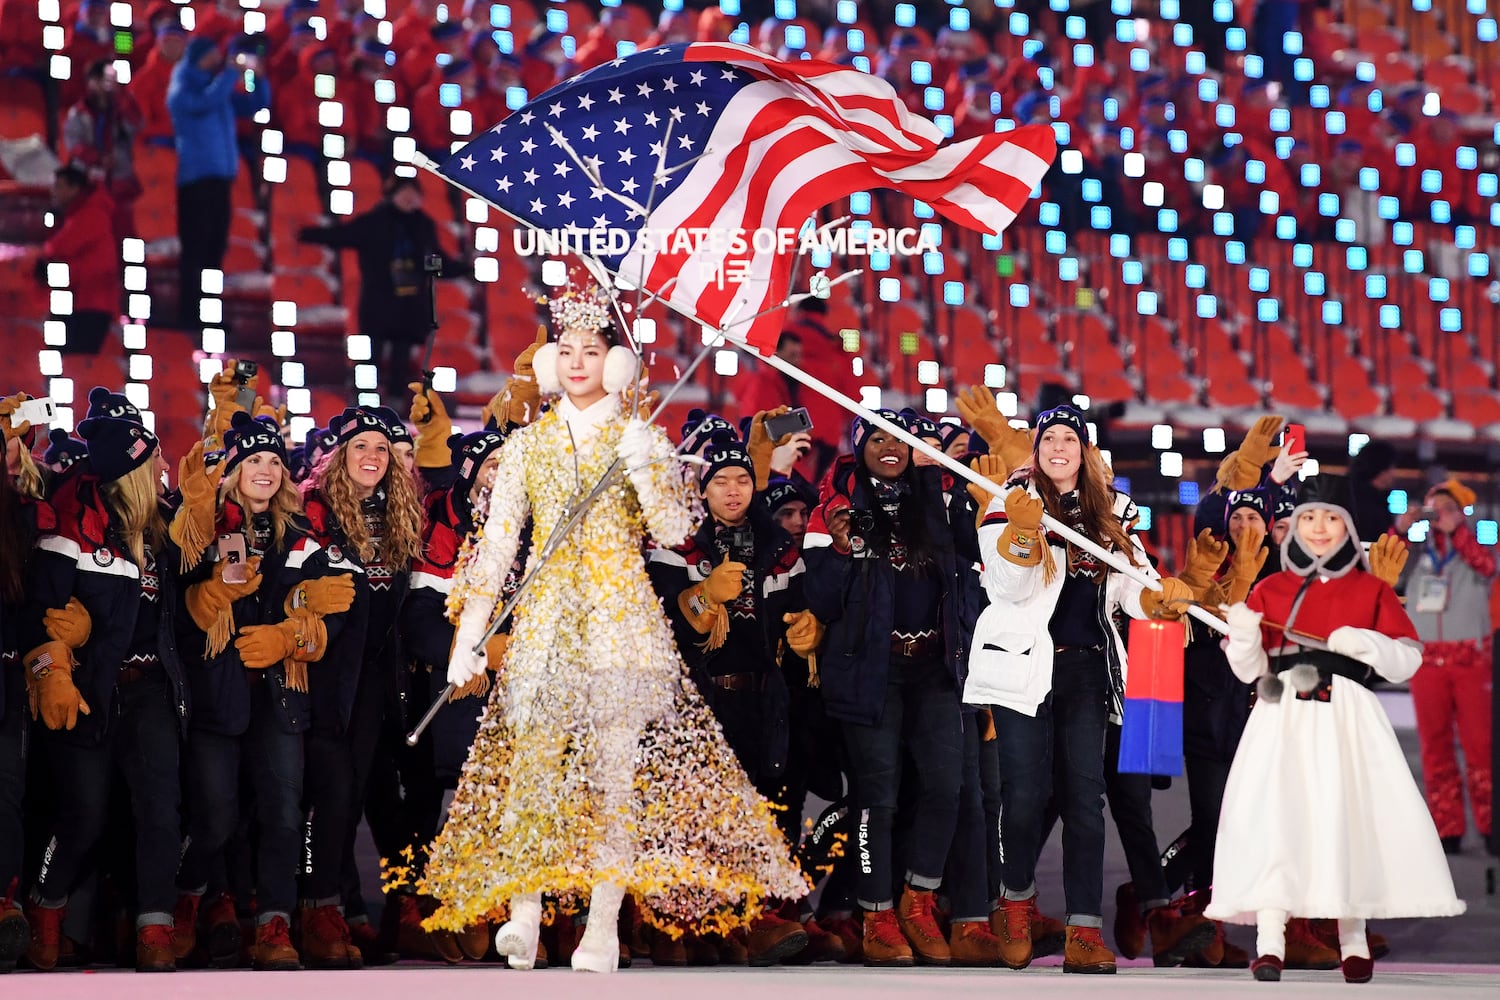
[(544, 364), (620, 368)]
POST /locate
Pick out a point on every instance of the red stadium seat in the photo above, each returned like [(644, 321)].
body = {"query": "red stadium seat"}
[(1416, 403)]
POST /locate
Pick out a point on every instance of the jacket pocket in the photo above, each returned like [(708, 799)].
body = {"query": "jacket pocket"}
[(1004, 661)]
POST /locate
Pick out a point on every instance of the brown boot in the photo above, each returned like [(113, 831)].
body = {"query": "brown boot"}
[(153, 949), (822, 946), (1011, 924), (185, 924), (851, 934), (1084, 951), (412, 940), (1379, 946), (1047, 933), (734, 948), (667, 951), (1305, 950), (14, 933), (325, 940), (971, 944), (700, 950), (1175, 935), (474, 941), (272, 950), (365, 942), (222, 938), (884, 943), (773, 938), (46, 936), (1130, 923), (917, 917)]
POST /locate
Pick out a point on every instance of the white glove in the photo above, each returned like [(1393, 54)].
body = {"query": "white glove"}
[(1393, 659), (1242, 648), (465, 664), (635, 445)]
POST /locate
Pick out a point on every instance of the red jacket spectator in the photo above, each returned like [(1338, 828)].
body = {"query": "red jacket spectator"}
[(412, 28), (286, 60), (85, 242), (93, 39), (341, 17), (149, 85), (21, 35), (431, 120), (220, 22), (418, 66), (296, 106)]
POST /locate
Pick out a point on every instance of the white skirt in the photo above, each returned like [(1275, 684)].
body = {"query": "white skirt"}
[(1322, 818)]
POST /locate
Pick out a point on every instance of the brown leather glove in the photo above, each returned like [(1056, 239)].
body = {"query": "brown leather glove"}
[(804, 632), (1205, 555), (70, 625), (301, 638), (976, 405), (1388, 557), (1240, 469), (49, 686), (210, 603), (324, 595), (703, 604), (991, 467), (1021, 542), (760, 446), (224, 391), (193, 526), (523, 394), (1250, 556), (1169, 603), (7, 407), (430, 417)]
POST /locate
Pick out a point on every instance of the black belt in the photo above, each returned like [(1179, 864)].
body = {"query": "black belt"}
[(1328, 664), (739, 682), (927, 646)]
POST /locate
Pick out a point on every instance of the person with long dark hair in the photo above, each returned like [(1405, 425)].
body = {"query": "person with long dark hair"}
[(889, 553), (1048, 657)]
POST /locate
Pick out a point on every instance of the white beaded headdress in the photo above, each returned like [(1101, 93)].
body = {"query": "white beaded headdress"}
[(583, 307)]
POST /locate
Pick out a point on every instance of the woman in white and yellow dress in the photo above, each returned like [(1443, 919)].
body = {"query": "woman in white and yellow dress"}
[(598, 770)]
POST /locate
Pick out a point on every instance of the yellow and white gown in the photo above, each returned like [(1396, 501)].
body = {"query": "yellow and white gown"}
[(596, 760)]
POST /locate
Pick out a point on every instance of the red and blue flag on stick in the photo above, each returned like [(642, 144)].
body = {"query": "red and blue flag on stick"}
[(1151, 735), (714, 140)]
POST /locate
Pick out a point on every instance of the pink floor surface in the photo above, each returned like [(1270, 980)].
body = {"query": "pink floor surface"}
[(428, 982)]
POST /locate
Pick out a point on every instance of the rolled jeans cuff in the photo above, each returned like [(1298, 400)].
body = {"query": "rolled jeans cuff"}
[(1084, 920), (1013, 894)]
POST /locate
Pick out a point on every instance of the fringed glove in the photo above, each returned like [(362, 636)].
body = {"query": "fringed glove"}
[(976, 405), (193, 527), (1021, 542), (1240, 469), (210, 603), (1169, 603)]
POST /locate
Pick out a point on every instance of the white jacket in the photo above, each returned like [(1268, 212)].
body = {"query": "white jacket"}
[(1011, 661)]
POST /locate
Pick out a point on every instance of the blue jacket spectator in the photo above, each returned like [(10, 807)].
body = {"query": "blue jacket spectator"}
[(204, 100)]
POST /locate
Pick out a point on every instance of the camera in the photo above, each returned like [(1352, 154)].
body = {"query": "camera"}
[(245, 371)]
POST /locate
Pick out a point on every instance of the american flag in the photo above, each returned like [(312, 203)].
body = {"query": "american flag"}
[(720, 137)]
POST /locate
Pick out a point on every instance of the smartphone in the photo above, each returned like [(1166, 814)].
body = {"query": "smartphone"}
[(795, 422), (232, 554), (1294, 439), (34, 411)]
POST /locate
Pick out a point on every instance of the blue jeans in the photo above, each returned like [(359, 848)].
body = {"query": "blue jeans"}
[(218, 767), (141, 740), (922, 717), (14, 724), (1061, 748), (967, 879)]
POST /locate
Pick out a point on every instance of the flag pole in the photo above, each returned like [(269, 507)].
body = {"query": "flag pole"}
[(1113, 559)]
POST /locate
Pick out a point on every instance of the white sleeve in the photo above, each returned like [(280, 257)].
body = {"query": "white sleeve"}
[(668, 504), (1394, 659)]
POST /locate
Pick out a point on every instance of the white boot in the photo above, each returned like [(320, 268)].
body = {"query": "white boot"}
[(517, 937), (599, 950)]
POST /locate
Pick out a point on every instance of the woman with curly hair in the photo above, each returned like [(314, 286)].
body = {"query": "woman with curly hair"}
[(598, 769), (362, 507)]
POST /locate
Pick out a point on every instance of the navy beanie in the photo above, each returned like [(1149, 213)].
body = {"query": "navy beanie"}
[(117, 447), (248, 435)]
